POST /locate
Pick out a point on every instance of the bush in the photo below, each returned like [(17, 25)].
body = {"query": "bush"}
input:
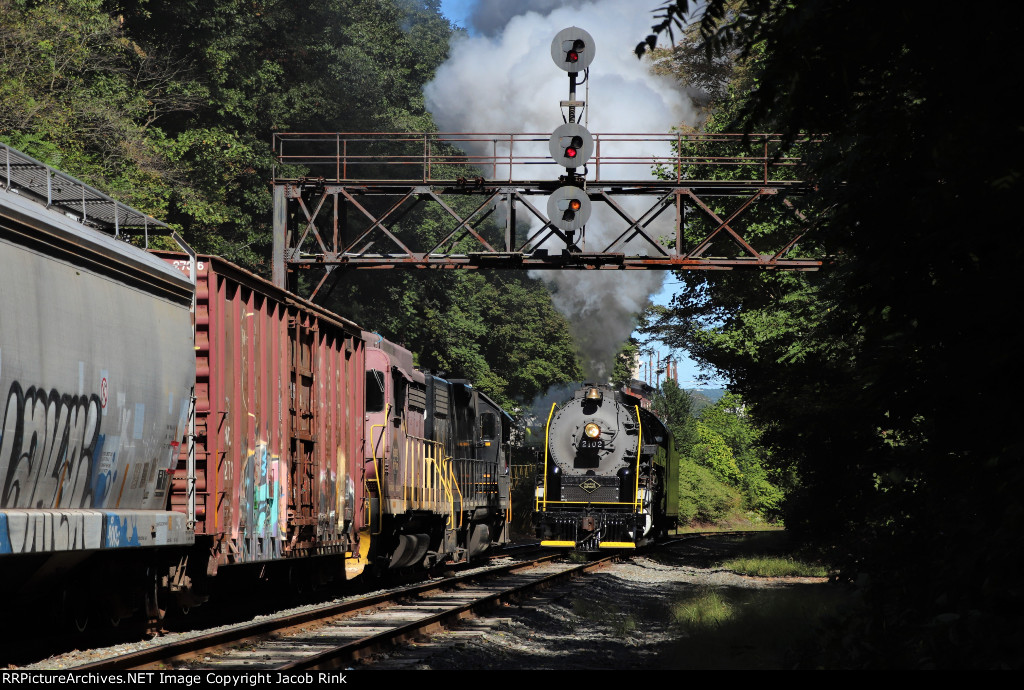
[(702, 496), (711, 451)]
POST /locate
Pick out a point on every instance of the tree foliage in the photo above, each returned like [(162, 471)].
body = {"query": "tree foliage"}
[(625, 360), (500, 331), (849, 372), (675, 408), (703, 497), (171, 106), (721, 466), (762, 486), (710, 450)]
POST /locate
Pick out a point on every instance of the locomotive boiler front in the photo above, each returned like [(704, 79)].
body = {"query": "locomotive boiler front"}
[(592, 444), (600, 487)]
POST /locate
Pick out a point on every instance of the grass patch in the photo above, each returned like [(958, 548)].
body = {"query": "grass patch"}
[(725, 628), (774, 566), (707, 609)]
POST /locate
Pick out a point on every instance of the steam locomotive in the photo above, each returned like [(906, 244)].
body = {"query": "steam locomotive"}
[(170, 419), (610, 474)]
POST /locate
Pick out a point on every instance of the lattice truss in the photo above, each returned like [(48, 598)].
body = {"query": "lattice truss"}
[(356, 218)]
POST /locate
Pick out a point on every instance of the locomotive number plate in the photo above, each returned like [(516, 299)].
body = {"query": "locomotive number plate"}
[(591, 443)]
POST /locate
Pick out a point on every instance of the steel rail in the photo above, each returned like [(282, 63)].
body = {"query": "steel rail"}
[(278, 628)]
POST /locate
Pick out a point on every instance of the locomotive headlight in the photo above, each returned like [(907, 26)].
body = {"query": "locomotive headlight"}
[(592, 430)]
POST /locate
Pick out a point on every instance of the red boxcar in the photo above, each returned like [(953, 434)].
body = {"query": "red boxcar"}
[(279, 423)]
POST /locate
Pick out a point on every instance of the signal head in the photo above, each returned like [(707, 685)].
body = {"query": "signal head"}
[(571, 145), (572, 49), (569, 208)]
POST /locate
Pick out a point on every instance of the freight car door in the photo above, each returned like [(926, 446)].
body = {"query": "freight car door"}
[(305, 476)]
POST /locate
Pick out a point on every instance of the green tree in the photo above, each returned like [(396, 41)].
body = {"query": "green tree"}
[(78, 94), (711, 451), (498, 330), (674, 407), (703, 498), (625, 359), (761, 486), (849, 372)]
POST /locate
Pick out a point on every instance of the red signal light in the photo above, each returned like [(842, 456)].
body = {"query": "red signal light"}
[(574, 147), (575, 204), (573, 54)]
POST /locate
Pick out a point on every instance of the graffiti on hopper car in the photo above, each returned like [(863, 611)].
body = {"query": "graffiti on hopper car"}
[(50, 531), (48, 442)]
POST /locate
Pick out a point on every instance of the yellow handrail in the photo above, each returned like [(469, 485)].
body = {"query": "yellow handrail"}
[(442, 472), (455, 483), (447, 479), (508, 511), (376, 469), (639, 447), (547, 434)]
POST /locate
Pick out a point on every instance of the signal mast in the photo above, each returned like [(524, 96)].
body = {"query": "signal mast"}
[(571, 145)]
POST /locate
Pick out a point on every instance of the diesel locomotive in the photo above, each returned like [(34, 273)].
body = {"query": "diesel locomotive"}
[(609, 471)]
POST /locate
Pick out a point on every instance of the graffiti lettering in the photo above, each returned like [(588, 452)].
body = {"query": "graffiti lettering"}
[(47, 445), (50, 531)]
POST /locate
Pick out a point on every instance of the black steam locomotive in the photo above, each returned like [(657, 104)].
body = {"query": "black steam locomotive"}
[(610, 476)]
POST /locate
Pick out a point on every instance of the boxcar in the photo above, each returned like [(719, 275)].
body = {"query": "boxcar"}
[(279, 399)]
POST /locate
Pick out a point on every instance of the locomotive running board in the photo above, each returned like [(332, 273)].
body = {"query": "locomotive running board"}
[(558, 543)]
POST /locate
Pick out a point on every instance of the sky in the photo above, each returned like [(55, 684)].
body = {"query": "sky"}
[(624, 97)]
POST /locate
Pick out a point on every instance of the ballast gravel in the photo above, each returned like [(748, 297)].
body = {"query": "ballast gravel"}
[(620, 618)]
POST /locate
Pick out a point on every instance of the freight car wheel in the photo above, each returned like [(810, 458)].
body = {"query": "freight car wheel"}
[(76, 609), (155, 611)]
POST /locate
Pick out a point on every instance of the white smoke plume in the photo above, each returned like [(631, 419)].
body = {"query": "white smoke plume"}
[(502, 79)]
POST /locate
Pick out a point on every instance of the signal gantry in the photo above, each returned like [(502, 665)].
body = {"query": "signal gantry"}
[(347, 210)]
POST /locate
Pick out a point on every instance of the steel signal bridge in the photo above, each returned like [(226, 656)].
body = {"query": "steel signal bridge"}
[(348, 199)]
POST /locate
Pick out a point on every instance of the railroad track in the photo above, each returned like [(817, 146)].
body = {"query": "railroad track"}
[(337, 636)]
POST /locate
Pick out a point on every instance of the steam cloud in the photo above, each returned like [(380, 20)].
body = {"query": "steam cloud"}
[(502, 79)]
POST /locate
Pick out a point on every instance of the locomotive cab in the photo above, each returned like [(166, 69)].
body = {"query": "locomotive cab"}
[(436, 485)]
